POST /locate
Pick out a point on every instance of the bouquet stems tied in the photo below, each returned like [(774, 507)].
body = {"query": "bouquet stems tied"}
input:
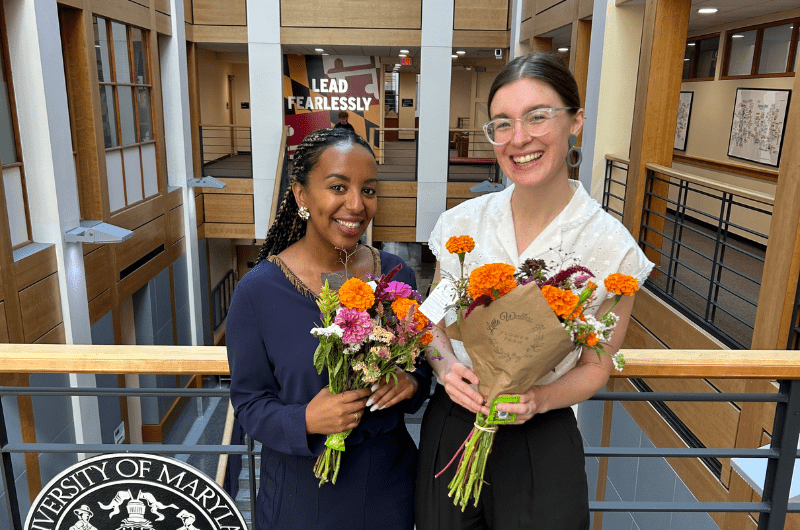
[(468, 480)]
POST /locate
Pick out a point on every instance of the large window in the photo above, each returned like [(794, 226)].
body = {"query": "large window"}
[(767, 50), (700, 58), (123, 69), (10, 157)]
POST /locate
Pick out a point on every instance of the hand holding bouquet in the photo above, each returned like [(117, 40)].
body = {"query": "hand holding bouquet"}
[(369, 331), (517, 326)]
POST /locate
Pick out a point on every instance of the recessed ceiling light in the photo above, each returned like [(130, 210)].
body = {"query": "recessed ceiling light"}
[(737, 36), (563, 49), (691, 44), (326, 54), (397, 65), (461, 52), (454, 56), (402, 55), (686, 59), (403, 51), (707, 10), (318, 50)]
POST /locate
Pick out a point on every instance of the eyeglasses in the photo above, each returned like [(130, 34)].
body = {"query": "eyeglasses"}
[(535, 123)]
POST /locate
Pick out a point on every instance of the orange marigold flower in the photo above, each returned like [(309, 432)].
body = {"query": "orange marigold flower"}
[(401, 307), (356, 294), (563, 303), (591, 285), (486, 279), (618, 284), (592, 340), (426, 338), (460, 244)]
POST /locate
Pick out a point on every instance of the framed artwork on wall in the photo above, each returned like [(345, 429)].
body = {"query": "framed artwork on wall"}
[(682, 127), (758, 125)]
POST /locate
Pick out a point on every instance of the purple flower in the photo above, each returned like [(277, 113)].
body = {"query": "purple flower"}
[(580, 280), (356, 325), (395, 290)]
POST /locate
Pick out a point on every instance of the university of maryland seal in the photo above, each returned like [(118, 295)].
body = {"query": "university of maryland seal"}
[(129, 491)]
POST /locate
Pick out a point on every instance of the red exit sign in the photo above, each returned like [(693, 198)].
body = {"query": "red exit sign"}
[(406, 61)]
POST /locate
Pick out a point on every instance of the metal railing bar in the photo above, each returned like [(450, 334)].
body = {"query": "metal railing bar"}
[(679, 452), (612, 210), (615, 197), (638, 506), (123, 448), (88, 391), (690, 396), (7, 472), (778, 479)]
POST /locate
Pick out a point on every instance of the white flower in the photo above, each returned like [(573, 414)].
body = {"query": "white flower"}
[(333, 329), (372, 285), (618, 361)]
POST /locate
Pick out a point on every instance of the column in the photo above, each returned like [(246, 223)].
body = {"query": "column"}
[(610, 88), (178, 140), (36, 61), (434, 113), (266, 103)]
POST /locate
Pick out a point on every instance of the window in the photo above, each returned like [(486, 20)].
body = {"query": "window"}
[(762, 51), (700, 58), (10, 157), (123, 70)]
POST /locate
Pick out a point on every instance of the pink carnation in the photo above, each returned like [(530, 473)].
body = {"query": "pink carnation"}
[(397, 290), (356, 325)]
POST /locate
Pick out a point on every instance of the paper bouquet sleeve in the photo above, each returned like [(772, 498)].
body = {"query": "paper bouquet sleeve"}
[(513, 342)]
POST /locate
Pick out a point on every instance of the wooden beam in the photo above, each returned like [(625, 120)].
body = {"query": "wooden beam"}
[(579, 57), (655, 113), (782, 262)]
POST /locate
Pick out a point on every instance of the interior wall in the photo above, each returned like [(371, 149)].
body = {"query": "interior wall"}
[(460, 95), (221, 254), (213, 76), (407, 89), (241, 92)]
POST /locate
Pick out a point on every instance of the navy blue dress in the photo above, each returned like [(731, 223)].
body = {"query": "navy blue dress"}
[(270, 351)]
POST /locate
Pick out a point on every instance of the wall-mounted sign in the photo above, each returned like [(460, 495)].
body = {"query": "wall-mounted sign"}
[(408, 102), (406, 61), (317, 88)]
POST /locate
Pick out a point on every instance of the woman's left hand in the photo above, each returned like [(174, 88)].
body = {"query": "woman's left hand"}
[(389, 393), (525, 409)]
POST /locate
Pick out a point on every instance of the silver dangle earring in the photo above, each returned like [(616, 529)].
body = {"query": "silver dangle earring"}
[(303, 213), (573, 149)]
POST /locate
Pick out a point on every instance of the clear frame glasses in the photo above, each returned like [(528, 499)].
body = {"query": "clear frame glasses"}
[(535, 123)]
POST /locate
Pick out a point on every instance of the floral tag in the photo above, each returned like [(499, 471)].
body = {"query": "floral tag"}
[(498, 416), (439, 301), (336, 441)]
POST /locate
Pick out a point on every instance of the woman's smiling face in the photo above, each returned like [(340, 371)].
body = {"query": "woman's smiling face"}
[(341, 195), (527, 160)]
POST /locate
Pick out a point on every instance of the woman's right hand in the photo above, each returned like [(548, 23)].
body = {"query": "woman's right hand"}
[(332, 413), (457, 382)]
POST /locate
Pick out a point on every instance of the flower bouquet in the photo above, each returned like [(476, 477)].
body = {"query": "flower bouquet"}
[(369, 330), (517, 326)]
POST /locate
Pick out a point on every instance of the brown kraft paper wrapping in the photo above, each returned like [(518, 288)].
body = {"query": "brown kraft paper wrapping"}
[(513, 342)]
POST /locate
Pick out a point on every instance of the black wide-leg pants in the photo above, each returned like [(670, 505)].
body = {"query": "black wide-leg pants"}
[(535, 474)]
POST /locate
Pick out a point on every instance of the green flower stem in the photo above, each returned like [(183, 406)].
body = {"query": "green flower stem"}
[(468, 480)]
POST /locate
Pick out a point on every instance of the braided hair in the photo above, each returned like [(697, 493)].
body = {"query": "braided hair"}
[(288, 227)]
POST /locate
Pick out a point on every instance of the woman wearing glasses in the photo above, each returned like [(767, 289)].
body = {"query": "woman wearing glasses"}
[(535, 476)]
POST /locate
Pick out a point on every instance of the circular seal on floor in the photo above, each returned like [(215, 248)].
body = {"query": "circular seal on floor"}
[(130, 491)]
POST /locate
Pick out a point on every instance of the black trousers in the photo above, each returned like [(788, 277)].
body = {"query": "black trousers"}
[(535, 474)]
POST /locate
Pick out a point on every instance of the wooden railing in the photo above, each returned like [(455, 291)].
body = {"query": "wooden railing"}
[(18, 360)]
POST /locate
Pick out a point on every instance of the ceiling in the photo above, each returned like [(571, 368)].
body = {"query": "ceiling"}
[(729, 12)]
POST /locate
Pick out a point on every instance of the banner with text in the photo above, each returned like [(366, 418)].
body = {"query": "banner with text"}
[(317, 87)]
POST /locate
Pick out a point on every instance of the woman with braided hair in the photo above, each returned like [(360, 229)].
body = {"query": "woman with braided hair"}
[(276, 392)]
